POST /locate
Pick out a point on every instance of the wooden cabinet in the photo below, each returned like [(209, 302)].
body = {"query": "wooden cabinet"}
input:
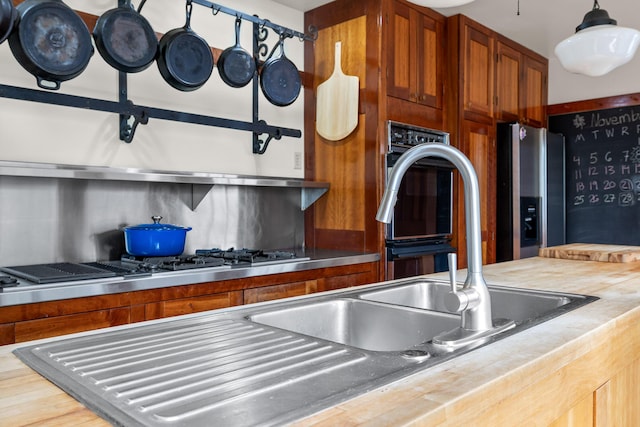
[(534, 99), (415, 55), (422, 69), (397, 51), (614, 403), (508, 71), (490, 79), (269, 293), (521, 84), (478, 142), (478, 64), (27, 322)]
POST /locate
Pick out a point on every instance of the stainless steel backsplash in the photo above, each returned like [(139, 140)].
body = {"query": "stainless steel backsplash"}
[(46, 220)]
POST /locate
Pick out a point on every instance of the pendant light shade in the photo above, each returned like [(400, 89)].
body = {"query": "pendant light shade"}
[(440, 3), (598, 46)]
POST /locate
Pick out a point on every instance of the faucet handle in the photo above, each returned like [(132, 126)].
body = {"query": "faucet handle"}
[(452, 259), (455, 301)]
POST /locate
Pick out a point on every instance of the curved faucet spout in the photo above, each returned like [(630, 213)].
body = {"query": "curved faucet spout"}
[(476, 315), (471, 193)]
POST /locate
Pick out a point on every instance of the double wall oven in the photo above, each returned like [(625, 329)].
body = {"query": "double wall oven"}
[(418, 238)]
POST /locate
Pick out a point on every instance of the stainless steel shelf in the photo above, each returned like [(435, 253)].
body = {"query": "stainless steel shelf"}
[(202, 182)]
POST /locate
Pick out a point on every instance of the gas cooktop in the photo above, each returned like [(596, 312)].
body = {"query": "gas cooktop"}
[(131, 266)]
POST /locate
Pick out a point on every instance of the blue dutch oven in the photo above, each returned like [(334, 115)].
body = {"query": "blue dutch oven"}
[(155, 239)]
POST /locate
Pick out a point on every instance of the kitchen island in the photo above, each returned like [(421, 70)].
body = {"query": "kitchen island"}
[(582, 368)]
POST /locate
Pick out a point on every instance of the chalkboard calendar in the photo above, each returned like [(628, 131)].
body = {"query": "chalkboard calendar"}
[(602, 174)]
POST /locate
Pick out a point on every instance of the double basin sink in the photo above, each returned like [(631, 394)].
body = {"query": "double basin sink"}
[(405, 316), (272, 363)]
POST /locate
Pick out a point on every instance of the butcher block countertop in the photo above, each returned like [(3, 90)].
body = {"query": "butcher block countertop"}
[(532, 378), (593, 252)]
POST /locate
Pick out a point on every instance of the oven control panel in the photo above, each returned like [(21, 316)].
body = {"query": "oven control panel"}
[(403, 136)]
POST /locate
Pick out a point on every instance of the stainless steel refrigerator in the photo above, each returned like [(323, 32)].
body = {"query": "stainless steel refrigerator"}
[(530, 191)]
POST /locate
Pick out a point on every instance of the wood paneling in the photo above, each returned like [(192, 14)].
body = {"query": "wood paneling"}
[(414, 46), (478, 70), (192, 305), (342, 163), (16, 313), (534, 99), (581, 415), (617, 401), (7, 334), (480, 147), (62, 325), (269, 293), (508, 82), (594, 104)]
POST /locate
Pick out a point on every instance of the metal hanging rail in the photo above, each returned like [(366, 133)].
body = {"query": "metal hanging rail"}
[(131, 115), (215, 8)]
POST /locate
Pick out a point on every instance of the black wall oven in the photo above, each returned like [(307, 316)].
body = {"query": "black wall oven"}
[(419, 235)]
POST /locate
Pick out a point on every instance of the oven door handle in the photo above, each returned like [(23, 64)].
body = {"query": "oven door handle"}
[(401, 251)]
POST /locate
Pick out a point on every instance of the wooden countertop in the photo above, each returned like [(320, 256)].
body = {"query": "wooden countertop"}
[(538, 360)]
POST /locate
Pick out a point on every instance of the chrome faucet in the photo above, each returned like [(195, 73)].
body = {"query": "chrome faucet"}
[(473, 300)]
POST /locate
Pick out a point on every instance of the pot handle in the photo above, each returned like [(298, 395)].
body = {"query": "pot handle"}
[(47, 84), (156, 219)]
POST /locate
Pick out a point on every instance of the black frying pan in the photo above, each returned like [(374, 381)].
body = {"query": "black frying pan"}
[(279, 78), (185, 59), (8, 18), (236, 65), (125, 39), (51, 42)]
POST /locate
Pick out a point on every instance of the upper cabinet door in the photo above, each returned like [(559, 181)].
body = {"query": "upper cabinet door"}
[(534, 99), (401, 50), (508, 77), (478, 50), (521, 84), (416, 51), (430, 57)]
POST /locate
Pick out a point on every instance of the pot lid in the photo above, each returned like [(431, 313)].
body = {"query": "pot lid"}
[(156, 226)]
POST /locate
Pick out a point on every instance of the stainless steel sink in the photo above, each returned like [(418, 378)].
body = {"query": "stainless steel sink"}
[(273, 363), (520, 305), (361, 324)]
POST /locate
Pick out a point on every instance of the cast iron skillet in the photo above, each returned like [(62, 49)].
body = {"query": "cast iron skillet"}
[(185, 59), (8, 18), (51, 42), (279, 78), (125, 39), (236, 65)]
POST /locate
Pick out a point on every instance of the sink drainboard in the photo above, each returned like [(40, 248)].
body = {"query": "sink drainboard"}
[(273, 364), (199, 372)]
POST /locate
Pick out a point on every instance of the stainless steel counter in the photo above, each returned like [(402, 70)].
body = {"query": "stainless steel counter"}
[(27, 292)]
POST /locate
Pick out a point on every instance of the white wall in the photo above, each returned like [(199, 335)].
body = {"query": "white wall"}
[(43, 133), (567, 87)]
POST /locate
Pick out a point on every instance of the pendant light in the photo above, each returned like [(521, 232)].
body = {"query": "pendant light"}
[(440, 3), (598, 46)]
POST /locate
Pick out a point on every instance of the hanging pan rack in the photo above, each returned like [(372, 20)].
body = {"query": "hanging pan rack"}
[(131, 115)]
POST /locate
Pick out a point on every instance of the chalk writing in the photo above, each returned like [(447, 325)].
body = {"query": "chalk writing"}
[(602, 174)]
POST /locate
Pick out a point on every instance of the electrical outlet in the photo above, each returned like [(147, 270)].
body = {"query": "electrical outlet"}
[(297, 160)]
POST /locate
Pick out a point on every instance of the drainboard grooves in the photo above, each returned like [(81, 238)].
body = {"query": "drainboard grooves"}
[(255, 351), (200, 398), (178, 349), (99, 346), (84, 360), (255, 375), (218, 374)]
